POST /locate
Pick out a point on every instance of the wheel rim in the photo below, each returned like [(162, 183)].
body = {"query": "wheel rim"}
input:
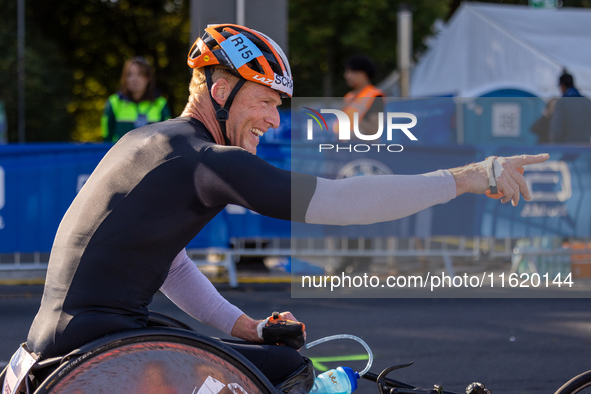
[(157, 365)]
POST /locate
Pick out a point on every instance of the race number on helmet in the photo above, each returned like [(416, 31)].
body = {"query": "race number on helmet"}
[(247, 53)]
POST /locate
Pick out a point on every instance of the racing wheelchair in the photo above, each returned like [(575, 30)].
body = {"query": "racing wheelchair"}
[(169, 357)]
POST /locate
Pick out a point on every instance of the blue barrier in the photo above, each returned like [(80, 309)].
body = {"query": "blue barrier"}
[(37, 184), (440, 120), (39, 181), (561, 190)]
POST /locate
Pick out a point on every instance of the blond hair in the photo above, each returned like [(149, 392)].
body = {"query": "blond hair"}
[(198, 85)]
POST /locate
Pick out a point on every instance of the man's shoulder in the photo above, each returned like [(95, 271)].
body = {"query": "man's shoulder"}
[(184, 125), (178, 133), (233, 159), (226, 153)]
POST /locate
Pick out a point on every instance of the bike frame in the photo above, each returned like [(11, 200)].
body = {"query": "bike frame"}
[(391, 386)]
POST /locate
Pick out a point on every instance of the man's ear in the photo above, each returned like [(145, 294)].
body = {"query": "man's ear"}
[(220, 91)]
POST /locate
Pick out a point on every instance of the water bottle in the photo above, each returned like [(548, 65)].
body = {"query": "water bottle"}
[(342, 380)]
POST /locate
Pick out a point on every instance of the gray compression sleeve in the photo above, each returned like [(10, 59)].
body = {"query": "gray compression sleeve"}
[(191, 291), (380, 198)]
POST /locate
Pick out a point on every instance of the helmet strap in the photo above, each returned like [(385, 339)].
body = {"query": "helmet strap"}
[(222, 114)]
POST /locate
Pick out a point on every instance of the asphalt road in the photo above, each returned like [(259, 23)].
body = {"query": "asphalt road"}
[(513, 346)]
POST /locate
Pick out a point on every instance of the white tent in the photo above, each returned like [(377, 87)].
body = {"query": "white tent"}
[(487, 47)]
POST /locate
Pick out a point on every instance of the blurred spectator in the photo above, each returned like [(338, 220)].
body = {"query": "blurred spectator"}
[(359, 71), (542, 126), (571, 121), (136, 104)]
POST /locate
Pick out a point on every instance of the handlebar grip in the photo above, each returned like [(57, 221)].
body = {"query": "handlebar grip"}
[(282, 331), (277, 318), (498, 196)]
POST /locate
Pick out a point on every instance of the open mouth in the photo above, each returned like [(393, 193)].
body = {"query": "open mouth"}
[(256, 132)]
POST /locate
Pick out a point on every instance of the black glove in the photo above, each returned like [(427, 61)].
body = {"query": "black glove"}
[(278, 330), (477, 388)]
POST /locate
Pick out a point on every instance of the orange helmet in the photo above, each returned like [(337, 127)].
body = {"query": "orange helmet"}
[(247, 53)]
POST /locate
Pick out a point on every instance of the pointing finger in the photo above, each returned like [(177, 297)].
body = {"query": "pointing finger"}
[(522, 160)]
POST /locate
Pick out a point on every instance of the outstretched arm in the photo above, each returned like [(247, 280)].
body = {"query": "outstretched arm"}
[(228, 175), (373, 199), (366, 200)]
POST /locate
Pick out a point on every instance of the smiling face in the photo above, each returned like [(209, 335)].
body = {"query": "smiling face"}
[(253, 112)]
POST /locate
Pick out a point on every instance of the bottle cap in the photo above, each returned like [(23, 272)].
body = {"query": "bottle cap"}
[(352, 375)]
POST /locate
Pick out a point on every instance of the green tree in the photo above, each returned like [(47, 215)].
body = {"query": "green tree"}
[(323, 34), (98, 36), (80, 47), (47, 83), (75, 50)]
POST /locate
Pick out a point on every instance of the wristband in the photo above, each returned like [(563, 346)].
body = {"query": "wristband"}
[(260, 328)]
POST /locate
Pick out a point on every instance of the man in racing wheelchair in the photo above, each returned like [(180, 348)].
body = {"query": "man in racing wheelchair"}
[(123, 237)]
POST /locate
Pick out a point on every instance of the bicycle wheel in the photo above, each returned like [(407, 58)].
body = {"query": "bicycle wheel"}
[(156, 361), (576, 384)]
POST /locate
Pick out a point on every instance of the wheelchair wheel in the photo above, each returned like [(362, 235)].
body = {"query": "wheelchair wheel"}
[(158, 361), (577, 384)]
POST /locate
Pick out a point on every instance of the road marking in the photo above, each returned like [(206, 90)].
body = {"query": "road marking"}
[(321, 367)]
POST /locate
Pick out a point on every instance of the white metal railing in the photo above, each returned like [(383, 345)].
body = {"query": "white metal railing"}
[(23, 261), (447, 248), (332, 247)]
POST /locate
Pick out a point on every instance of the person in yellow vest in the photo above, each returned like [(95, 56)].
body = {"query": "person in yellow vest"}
[(136, 104), (359, 71)]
